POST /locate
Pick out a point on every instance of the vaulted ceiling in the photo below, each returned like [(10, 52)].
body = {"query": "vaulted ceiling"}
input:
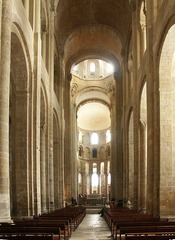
[(89, 29), (93, 27)]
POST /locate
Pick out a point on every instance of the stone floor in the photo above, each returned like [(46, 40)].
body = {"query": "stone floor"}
[(93, 227)]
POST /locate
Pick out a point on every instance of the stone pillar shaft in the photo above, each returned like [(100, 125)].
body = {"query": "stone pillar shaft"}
[(51, 74), (37, 26), (4, 110), (90, 176), (36, 102), (43, 169)]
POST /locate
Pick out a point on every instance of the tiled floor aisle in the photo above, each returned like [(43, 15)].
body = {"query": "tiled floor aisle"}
[(93, 227)]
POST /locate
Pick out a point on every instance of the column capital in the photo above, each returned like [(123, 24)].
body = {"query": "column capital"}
[(74, 89), (111, 88)]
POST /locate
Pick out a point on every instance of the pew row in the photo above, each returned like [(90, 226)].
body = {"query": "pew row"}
[(13, 231), (64, 225), (14, 236), (74, 214), (124, 221), (150, 237), (147, 230), (57, 224)]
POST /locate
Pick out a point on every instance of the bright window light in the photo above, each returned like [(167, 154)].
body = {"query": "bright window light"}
[(94, 138), (94, 180), (110, 68), (108, 136), (92, 67), (109, 179), (80, 137), (94, 176), (75, 68)]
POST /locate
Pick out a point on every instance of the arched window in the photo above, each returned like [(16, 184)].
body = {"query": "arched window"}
[(94, 138), (75, 68), (79, 178), (108, 136), (92, 67), (110, 68), (95, 179), (109, 178), (94, 153), (80, 137)]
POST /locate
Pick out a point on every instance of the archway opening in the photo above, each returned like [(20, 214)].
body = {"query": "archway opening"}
[(167, 124), (90, 91)]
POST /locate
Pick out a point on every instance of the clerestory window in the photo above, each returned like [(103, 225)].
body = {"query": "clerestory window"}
[(94, 138)]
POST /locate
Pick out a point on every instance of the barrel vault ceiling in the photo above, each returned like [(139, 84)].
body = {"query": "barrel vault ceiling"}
[(93, 29)]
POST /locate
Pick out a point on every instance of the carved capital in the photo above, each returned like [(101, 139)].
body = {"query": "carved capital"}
[(111, 88), (74, 89)]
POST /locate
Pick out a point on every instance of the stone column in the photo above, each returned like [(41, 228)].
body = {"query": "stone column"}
[(153, 151), (84, 179), (116, 141), (4, 110), (106, 180), (36, 107), (67, 142), (99, 178), (43, 168), (136, 102), (90, 176), (142, 168), (61, 170), (51, 81), (113, 164), (74, 149)]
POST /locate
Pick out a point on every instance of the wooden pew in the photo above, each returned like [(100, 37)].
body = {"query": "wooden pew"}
[(53, 219), (76, 214), (65, 229), (151, 236), (118, 214), (13, 230), (64, 219), (144, 230), (133, 219), (140, 223), (27, 237), (116, 217)]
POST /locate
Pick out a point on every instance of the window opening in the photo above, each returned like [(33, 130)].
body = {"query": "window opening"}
[(92, 67), (94, 153), (94, 138), (109, 178), (108, 136), (110, 68), (95, 179), (75, 68)]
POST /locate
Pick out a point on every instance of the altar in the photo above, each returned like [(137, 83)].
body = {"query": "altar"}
[(95, 199)]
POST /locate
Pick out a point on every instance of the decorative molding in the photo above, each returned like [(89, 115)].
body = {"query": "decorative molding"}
[(74, 89)]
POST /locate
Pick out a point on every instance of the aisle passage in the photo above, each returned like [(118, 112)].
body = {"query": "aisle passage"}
[(92, 227)]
